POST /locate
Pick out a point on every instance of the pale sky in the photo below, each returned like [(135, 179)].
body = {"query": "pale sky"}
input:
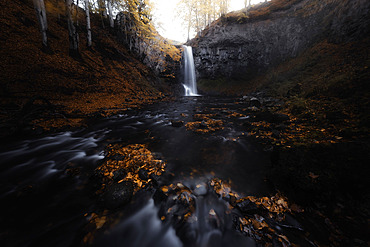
[(165, 13)]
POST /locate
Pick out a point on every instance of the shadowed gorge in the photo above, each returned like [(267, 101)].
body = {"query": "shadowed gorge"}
[(253, 133)]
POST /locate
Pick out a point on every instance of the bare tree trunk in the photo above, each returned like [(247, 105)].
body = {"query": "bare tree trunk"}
[(102, 8), (72, 32), (44, 13), (88, 24), (41, 16), (102, 11), (76, 16), (110, 12)]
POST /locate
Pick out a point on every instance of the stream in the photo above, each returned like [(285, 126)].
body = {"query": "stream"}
[(46, 198)]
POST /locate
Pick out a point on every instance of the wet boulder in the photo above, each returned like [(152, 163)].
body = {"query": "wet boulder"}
[(200, 189), (255, 102), (117, 195)]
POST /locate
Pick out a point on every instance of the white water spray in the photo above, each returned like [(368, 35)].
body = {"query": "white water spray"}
[(190, 81)]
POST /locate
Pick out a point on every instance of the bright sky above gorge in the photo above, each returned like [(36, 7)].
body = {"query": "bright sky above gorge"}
[(169, 23)]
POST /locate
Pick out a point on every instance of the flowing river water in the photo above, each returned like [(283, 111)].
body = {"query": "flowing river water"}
[(45, 204)]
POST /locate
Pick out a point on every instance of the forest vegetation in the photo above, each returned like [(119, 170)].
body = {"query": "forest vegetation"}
[(54, 50)]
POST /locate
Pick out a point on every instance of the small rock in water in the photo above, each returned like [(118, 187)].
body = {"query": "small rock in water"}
[(160, 196), (155, 179), (200, 189), (177, 123), (117, 195), (255, 102)]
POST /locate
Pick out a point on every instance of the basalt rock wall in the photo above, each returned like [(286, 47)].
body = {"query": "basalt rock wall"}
[(155, 54), (245, 42)]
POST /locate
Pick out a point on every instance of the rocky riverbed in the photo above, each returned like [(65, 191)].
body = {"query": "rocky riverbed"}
[(195, 171)]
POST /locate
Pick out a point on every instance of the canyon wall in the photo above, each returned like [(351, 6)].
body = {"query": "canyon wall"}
[(246, 42)]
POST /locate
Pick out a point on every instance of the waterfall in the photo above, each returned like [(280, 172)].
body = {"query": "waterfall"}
[(190, 81)]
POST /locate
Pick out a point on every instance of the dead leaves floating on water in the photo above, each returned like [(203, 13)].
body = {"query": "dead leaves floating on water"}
[(203, 127), (275, 204), (222, 188), (132, 160), (256, 223)]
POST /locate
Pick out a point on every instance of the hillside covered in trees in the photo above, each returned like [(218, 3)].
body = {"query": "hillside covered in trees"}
[(51, 79)]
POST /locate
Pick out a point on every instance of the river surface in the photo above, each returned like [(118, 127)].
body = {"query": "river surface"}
[(44, 203)]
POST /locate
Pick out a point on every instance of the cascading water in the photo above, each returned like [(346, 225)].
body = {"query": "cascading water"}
[(190, 82)]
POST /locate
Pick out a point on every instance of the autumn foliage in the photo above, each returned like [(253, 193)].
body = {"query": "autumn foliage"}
[(106, 79), (134, 158)]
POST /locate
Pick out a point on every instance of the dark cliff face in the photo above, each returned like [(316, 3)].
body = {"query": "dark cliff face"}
[(243, 43)]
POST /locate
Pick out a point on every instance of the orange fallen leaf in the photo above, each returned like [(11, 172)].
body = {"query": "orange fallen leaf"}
[(313, 176), (100, 222)]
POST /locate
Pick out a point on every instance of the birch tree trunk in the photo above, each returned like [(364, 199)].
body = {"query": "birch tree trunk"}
[(39, 6), (102, 11), (44, 13), (88, 24), (110, 12), (189, 24), (72, 32), (102, 8)]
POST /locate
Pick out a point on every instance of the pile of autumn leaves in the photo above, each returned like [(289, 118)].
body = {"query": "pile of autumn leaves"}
[(135, 160)]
